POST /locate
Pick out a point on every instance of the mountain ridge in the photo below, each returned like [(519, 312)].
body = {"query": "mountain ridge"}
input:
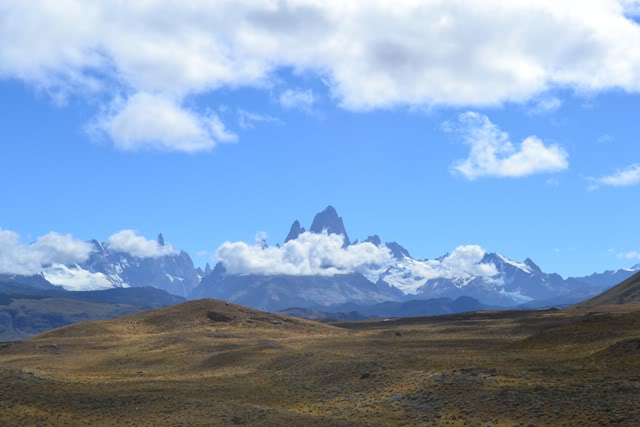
[(491, 278), (627, 292), (513, 284)]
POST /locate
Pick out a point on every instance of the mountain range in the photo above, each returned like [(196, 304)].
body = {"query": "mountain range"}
[(31, 306), (491, 279), (505, 283), (627, 292), (107, 268)]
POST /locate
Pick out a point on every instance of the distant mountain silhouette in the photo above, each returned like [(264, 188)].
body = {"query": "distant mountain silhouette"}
[(627, 292)]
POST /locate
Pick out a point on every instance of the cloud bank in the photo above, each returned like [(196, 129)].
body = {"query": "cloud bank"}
[(309, 255), (130, 242), (324, 255), (28, 259), (493, 154), (374, 54)]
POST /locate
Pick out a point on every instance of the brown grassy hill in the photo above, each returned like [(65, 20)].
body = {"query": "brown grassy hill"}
[(201, 317), (627, 292), (207, 363)]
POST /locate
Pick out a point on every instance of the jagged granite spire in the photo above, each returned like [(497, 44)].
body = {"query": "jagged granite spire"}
[(160, 239), (207, 269), (397, 250), (329, 220), (295, 231)]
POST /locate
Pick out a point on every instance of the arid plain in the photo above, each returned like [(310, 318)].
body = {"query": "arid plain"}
[(208, 363)]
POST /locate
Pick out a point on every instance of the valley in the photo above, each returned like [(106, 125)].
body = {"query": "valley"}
[(213, 363)]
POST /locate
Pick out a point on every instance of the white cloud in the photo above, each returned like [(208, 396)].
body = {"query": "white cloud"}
[(154, 121), (130, 242), (324, 255), (374, 54), (464, 261), (61, 248), (297, 99), (625, 177), (310, 254), (219, 131), (28, 259), (493, 154), (467, 260)]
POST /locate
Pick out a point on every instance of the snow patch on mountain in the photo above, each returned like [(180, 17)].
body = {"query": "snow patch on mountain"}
[(460, 266), (519, 265), (74, 278)]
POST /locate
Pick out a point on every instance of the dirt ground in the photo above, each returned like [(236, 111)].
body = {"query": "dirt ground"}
[(208, 363)]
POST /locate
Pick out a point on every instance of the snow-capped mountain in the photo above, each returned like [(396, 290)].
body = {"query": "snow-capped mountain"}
[(322, 267), (497, 280), (491, 278), (109, 268), (279, 292)]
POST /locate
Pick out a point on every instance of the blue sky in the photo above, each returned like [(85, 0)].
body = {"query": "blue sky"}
[(286, 142)]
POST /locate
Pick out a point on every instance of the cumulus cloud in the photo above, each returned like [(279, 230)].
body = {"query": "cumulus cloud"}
[(308, 255), (154, 121), (625, 177), (297, 99), (493, 154), (373, 54), (28, 259), (323, 254), (463, 261), (62, 248), (130, 242)]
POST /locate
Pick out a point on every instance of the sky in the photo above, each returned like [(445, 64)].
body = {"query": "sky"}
[(435, 124)]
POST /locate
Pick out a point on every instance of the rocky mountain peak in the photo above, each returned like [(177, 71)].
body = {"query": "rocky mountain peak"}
[(397, 250), (375, 239), (532, 265), (295, 231), (160, 239), (330, 221)]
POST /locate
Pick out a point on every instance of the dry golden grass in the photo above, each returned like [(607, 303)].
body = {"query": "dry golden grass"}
[(208, 363)]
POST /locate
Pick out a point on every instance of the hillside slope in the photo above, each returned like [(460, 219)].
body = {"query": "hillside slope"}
[(206, 363), (627, 292), (29, 310)]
